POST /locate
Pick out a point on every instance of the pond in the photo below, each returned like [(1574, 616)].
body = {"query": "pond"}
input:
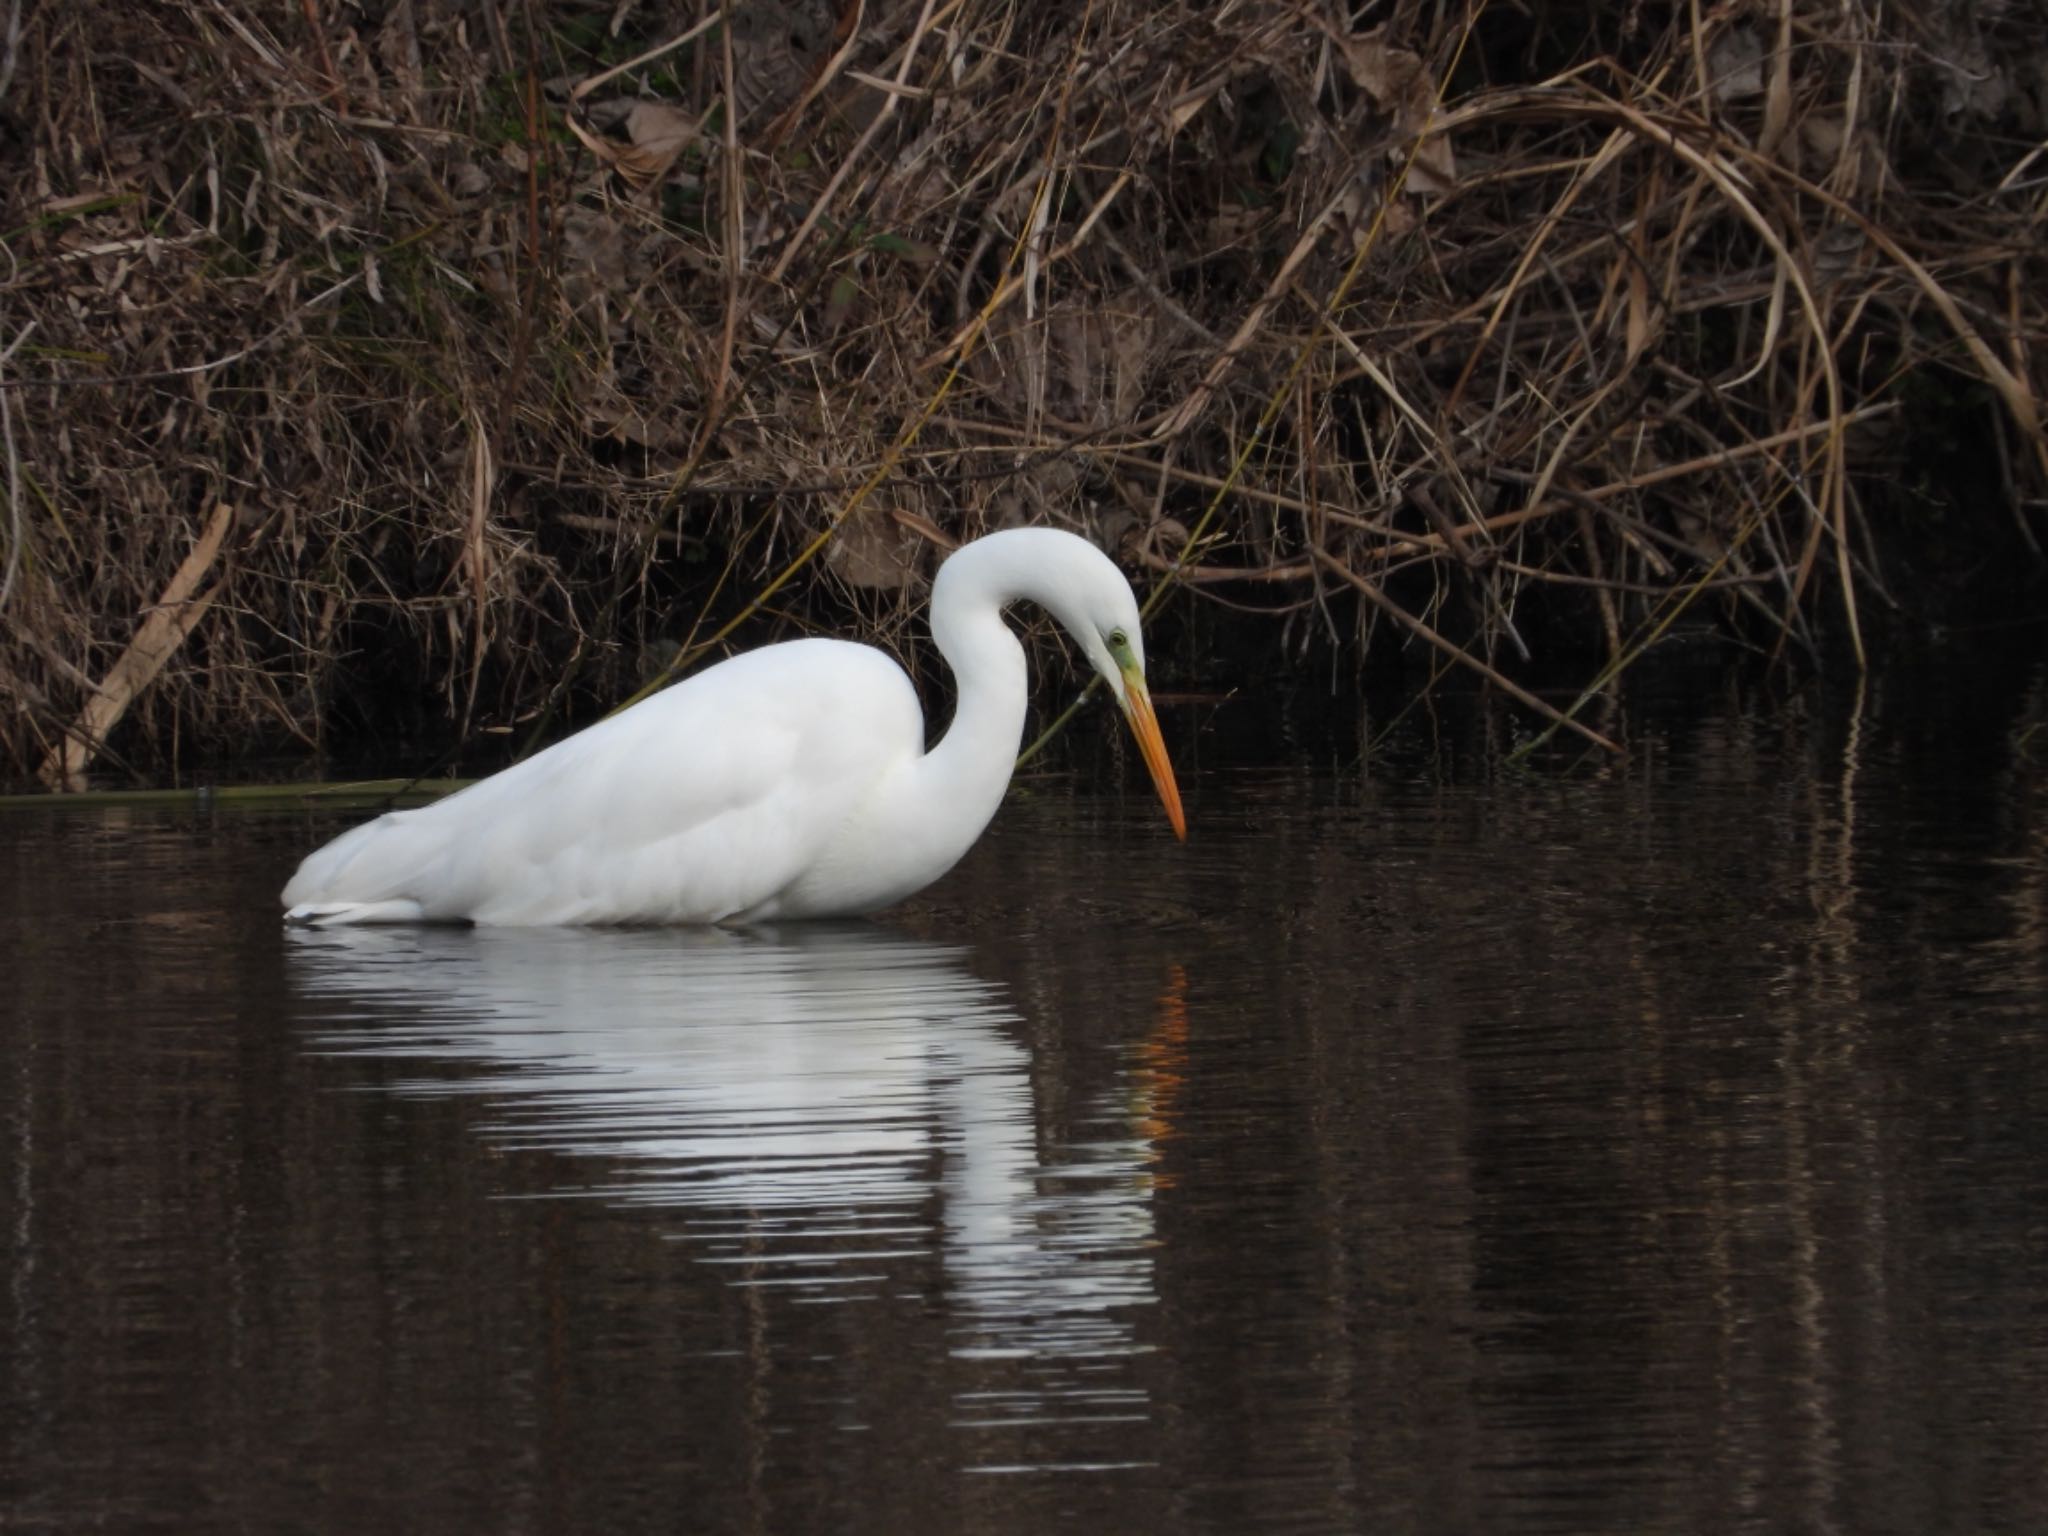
[(1431, 1146)]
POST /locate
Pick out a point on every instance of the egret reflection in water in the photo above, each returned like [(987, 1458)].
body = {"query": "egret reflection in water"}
[(798, 1099)]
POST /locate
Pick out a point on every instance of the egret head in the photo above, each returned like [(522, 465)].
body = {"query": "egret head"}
[(1126, 648), (1081, 587), (1094, 602)]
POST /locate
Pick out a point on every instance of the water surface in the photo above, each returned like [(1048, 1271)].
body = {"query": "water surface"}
[(1654, 1148)]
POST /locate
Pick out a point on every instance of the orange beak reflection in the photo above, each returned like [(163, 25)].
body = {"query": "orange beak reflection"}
[(1145, 726)]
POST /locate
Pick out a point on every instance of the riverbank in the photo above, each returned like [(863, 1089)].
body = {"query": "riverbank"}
[(433, 371)]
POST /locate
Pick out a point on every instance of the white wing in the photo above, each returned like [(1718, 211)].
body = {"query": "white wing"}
[(696, 805)]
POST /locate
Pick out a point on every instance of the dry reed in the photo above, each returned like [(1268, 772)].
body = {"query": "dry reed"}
[(466, 363)]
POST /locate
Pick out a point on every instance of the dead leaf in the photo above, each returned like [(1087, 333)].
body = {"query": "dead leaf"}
[(1637, 312), (1399, 83), (1395, 78), (869, 550), (610, 414), (1086, 361), (659, 134), (656, 135), (1856, 160), (1433, 172), (1735, 65), (468, 179), (779, 47), (593, 262), (839, 303)]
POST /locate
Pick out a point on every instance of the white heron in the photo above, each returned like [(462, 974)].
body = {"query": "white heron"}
[(787, 782)]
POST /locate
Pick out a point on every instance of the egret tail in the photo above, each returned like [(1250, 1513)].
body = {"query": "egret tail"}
[(336, 914)]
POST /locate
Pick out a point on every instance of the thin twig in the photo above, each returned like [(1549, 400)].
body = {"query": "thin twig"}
[(1457, 653)]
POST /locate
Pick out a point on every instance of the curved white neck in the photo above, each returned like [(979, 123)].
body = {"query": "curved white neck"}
[(961, 779)]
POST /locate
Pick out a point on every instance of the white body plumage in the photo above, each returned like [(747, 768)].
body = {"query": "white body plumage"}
[(788, 782)]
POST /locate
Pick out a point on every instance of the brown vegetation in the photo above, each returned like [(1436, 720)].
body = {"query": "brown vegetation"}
[(532, 349)]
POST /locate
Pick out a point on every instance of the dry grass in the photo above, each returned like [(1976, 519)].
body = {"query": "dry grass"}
[(538, 348)]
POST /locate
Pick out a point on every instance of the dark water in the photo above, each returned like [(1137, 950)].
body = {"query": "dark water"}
[(1664, 1149)]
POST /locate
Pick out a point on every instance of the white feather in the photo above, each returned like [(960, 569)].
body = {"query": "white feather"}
[(791, 781)]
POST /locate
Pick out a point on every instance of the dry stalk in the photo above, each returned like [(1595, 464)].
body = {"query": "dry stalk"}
[(536, 387)]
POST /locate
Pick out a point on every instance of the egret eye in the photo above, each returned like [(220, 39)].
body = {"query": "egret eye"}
[(1118, 640)]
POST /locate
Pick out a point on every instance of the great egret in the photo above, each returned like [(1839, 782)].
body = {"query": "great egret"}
[(788, 782)]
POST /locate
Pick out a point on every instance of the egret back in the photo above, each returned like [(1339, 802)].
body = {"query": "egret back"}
[(701, 804)]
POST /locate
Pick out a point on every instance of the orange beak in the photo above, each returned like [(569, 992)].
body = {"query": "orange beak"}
[(1145, 726)]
